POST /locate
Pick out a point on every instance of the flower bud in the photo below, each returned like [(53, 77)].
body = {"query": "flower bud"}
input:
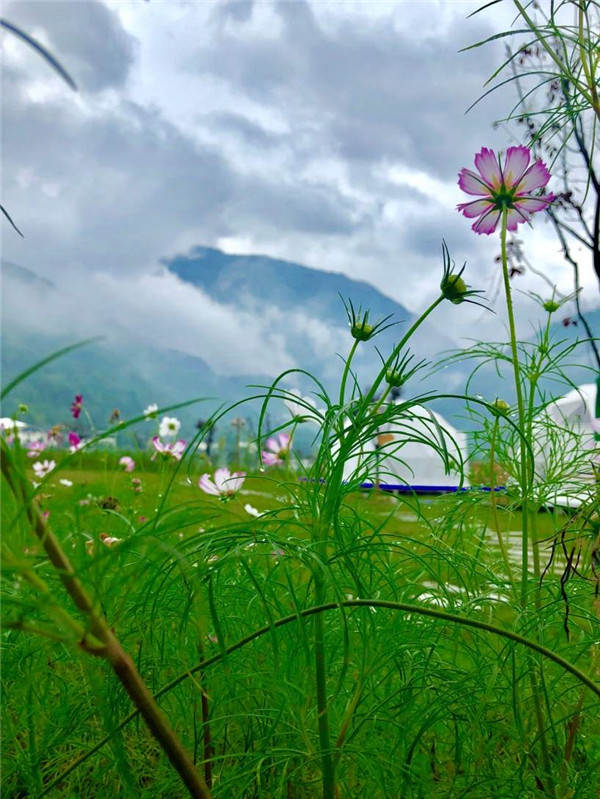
[(361, 330), (22, 408), (501, 406), (394, 378), (551, 306), (454, 288)]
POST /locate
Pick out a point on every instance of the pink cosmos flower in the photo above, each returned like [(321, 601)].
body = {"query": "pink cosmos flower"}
[(277, 449), (175, 449), (34, 448), (127, 463), (76, 406), (225, 483), (510, 186), (75, 442)]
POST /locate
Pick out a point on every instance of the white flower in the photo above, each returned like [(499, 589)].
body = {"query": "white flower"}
[(169, 427), (150, 411), (252, 511), (42, 468), (64, 482), (109, 540), (225, 483)]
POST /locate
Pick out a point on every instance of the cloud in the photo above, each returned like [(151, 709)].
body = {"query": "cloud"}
[(86, 37), (369, 92), (327, 134)]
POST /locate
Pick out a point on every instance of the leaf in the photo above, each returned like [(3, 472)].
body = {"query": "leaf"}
[(8, 216), (46, 55)]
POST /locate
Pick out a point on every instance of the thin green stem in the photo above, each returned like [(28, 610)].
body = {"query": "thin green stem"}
[(523, 459), (494, 503), (327, 763), (524, 462), (397, 349), (347, 371)]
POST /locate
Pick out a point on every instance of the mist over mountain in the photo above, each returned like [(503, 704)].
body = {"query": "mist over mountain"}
[(208, 325)]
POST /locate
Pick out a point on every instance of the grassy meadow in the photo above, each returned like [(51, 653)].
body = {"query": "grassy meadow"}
[(419, 707)]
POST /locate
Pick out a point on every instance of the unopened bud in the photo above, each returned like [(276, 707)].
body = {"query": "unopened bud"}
[(362, 331), (551, 306), (454, 288), (501, 406)]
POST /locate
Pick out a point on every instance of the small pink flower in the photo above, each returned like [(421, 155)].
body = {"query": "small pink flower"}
[(142, 519), (75, 442), (136, 484), (174, 449), (277, 449), (225, 483), (510, 186), (76, 406), (34, 448), (127, 463)]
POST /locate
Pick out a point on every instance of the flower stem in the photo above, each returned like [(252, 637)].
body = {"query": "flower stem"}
[(346, 371), (523, 458), (525, 429), (396, 351), (494, 503)]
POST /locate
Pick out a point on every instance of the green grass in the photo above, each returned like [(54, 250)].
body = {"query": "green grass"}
[(418, 707)]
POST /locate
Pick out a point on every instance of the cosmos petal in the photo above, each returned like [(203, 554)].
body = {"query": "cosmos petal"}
[(475, 208), (487, 222), (534, 178), (515, 164), (514, 217), (471, 183), (222, 476), (488, 167), (533, 204), (270, 458), (272, 445), (207, 485)]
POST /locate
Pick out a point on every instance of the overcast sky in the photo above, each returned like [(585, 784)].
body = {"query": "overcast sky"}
[(327, 133)]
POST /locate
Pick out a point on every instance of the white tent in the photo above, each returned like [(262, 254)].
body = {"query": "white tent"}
[(407, 457), (565, 448)]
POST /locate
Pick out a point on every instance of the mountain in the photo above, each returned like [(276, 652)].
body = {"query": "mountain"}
[(302, 312)]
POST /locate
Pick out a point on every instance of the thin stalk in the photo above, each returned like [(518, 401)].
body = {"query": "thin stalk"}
[(327, 762), (396, 351), (524, 426), (347, 371), (494, 502), (523, 457)]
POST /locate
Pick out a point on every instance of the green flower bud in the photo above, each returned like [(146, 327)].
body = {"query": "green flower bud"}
[(362, 330), (22, 408), (454, 288), (501, 406), (551, 306), (395, 378)]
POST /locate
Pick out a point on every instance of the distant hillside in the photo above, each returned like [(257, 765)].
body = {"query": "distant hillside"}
[(309, 318)]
